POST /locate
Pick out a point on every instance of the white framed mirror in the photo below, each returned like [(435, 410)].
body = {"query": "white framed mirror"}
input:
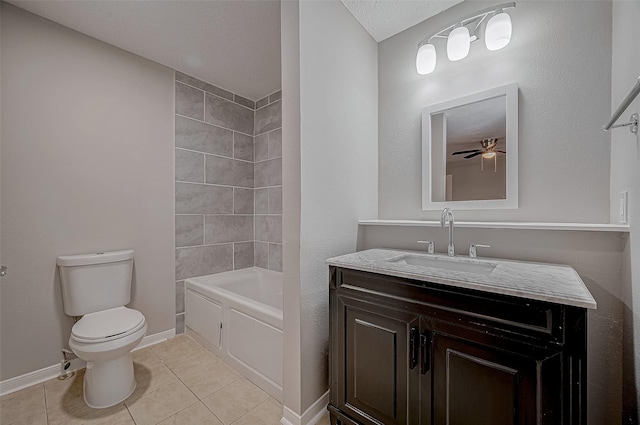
[(470, 151)]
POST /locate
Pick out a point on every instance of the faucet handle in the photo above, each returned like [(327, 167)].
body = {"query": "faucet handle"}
[(473, 253), (430, 246)]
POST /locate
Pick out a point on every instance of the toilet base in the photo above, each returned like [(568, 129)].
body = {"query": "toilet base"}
[(107, 383)]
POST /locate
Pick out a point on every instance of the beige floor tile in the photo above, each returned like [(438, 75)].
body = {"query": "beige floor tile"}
[(21, 403), (76, 412), (58, 390), (325, 420), (267, 413), (235, 400), (192, 359), (145, 357), (150, 378), (161, 404), (206, 377), (39, 418), (196, 414), (176, 348)]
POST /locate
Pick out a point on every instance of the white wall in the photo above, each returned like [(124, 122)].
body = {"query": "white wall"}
[(87, 165), (625, 175), (562, 67), (338, 172)]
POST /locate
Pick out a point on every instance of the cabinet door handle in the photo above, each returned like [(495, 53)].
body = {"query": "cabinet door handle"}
[(425, 347), (414, 347)]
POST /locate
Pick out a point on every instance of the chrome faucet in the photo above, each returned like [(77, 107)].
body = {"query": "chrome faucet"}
[(447, 214)]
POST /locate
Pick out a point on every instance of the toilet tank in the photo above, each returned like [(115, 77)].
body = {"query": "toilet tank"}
[(95, 282)]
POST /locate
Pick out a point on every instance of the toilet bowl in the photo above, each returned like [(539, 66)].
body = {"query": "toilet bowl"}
[(105, 340)]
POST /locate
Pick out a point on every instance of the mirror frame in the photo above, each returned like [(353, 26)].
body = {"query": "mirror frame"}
[(510, 91)]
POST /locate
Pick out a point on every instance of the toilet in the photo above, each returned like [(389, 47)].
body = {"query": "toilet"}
[(97, 287)]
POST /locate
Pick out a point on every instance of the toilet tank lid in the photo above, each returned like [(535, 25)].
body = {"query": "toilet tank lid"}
[(95, 258)]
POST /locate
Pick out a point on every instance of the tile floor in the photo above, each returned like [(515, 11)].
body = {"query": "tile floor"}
[(179, 382)]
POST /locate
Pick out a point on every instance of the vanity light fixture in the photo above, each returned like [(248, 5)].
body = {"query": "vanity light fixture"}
[(461, 33)]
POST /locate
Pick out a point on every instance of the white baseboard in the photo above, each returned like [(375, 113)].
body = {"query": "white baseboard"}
[(311, 416), (28, 379)]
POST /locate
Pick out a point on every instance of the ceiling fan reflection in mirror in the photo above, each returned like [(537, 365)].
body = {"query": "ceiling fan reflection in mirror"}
[(488, 151)]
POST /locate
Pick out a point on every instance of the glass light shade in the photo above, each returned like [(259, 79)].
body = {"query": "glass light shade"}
[(426, 59), (488, 155), (498, 31), (458, 44)]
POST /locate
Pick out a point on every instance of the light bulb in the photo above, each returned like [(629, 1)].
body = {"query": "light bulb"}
[(458, 44), (488, 155), (498, 31), (426, 59)]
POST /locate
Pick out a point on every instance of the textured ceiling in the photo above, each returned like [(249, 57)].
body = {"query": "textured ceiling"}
[(231, 44), (386, 18)]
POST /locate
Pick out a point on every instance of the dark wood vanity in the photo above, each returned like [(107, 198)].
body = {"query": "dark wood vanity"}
[(406, 351)]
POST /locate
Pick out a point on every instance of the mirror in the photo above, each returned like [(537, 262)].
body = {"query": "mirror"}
[(470, 151)]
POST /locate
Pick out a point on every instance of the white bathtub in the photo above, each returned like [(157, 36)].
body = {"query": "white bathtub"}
[(238, 315)]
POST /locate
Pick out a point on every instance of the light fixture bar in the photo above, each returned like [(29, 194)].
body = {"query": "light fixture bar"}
[(480, 16)]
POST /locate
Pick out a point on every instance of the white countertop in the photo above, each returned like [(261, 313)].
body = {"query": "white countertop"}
[(544, 282)]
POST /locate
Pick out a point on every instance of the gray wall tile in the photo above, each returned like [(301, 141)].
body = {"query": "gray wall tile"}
[(243, 146), (275, 143), (203, 85), (262, 102), (261, 147), (243, 201), (262, 201), (232, 172), (275, 96), (268, 228), (261, 255), (228, 228), (268, 173), (203, 137), (268, 118), (275, 200), (189, 166), (275, 257), (244, 101), (189, 101), (203, 260), (227, 114), (189, 230), (180, 297), (203, 199), (243, 255), (180, 323)]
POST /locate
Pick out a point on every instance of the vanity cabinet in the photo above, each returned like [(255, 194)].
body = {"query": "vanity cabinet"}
[(406, 351)]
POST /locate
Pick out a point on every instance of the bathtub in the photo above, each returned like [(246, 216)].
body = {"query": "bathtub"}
[(238, 316)]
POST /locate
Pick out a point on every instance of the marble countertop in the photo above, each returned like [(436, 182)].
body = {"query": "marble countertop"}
[(544, 282)]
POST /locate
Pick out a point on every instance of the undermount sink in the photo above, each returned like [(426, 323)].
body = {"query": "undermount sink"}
[(446, 263)]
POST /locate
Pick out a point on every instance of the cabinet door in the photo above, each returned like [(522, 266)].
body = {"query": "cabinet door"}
[(379, 349), (481, 385)]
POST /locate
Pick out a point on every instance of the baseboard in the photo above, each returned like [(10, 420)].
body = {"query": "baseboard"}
[(311, 416), (32, 378)]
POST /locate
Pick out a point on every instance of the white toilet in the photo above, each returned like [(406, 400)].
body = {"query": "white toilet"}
[(98, 286)]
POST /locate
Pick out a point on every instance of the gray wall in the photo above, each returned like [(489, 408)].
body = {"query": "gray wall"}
[(333, 150), (87, 165), (228, 183), (625, 175), (563, 71)]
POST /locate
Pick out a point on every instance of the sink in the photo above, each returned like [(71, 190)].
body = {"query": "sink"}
[(446, 263)]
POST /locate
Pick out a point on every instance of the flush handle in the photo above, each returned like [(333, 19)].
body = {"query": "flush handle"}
[(3, 271)]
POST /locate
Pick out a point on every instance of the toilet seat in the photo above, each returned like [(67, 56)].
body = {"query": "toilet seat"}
[(107, 325)]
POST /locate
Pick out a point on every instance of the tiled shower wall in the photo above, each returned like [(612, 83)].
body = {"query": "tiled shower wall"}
[(222, 223)]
